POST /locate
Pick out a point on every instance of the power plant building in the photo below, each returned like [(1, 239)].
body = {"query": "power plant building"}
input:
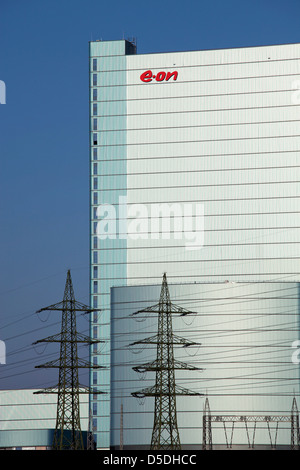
[(242, 340), (194, 160)]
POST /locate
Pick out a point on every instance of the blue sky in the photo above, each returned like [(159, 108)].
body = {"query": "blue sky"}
[(44, 153)]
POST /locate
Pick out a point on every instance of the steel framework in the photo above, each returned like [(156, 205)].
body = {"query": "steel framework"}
[(68, 434), (165, 434), (208, 419), (90, 444)]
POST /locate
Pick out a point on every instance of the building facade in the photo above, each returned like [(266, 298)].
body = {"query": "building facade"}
[(194, 160), (27, 421), (243, 350)]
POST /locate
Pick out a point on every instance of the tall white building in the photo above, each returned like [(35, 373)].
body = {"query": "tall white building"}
[(199, 153)]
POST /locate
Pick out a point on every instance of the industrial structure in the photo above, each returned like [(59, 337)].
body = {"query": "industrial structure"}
[(242, 338), (246, 421), (68, 433), (165, 434), (194, 171)]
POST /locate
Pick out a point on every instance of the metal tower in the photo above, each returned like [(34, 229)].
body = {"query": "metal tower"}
[(207, 433), (90, 445), (165, 434), (295, 431), (67, 434), (245, 421)]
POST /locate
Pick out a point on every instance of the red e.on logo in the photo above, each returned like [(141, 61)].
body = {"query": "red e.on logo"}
[(159, 77)]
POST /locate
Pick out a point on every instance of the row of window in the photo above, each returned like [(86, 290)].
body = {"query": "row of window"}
[(95, 242), (95, 254)]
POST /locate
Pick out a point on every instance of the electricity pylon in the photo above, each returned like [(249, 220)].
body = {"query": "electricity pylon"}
[(295, 432), (165, 434), (67, 434), (207, 433), (90, 445)]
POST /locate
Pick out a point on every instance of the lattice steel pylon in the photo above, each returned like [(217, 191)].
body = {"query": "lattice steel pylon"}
[(90, 445), (295, 431), (68, 434), (165, 433)]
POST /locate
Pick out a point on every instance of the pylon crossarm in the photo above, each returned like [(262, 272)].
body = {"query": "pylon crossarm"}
[(64, 304), (81, 363), (59, 338), (165, 392), (157, 366), (81, 389), (153, 308), (177, 340), (172, 308)]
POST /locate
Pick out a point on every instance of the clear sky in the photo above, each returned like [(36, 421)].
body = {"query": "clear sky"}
[(44, 126)]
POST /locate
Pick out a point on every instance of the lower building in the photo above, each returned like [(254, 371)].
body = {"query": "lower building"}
[(245, 347), (28, 421)]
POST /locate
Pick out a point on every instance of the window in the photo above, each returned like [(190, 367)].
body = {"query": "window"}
[(94, 65), (94, 408), (95, 243), (95, 139), (95, 94), (95, 332), (95, 283), (95, 153), (95, 183), (95, 425), (95, 124), (94, 79), (95, 169), (95, 256), (95, 109), (95, 198), (95, 301), (95, 274), (95, 319), (94, 378)]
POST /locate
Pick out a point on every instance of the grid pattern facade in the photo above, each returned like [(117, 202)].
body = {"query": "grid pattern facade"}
[(222, 139)]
